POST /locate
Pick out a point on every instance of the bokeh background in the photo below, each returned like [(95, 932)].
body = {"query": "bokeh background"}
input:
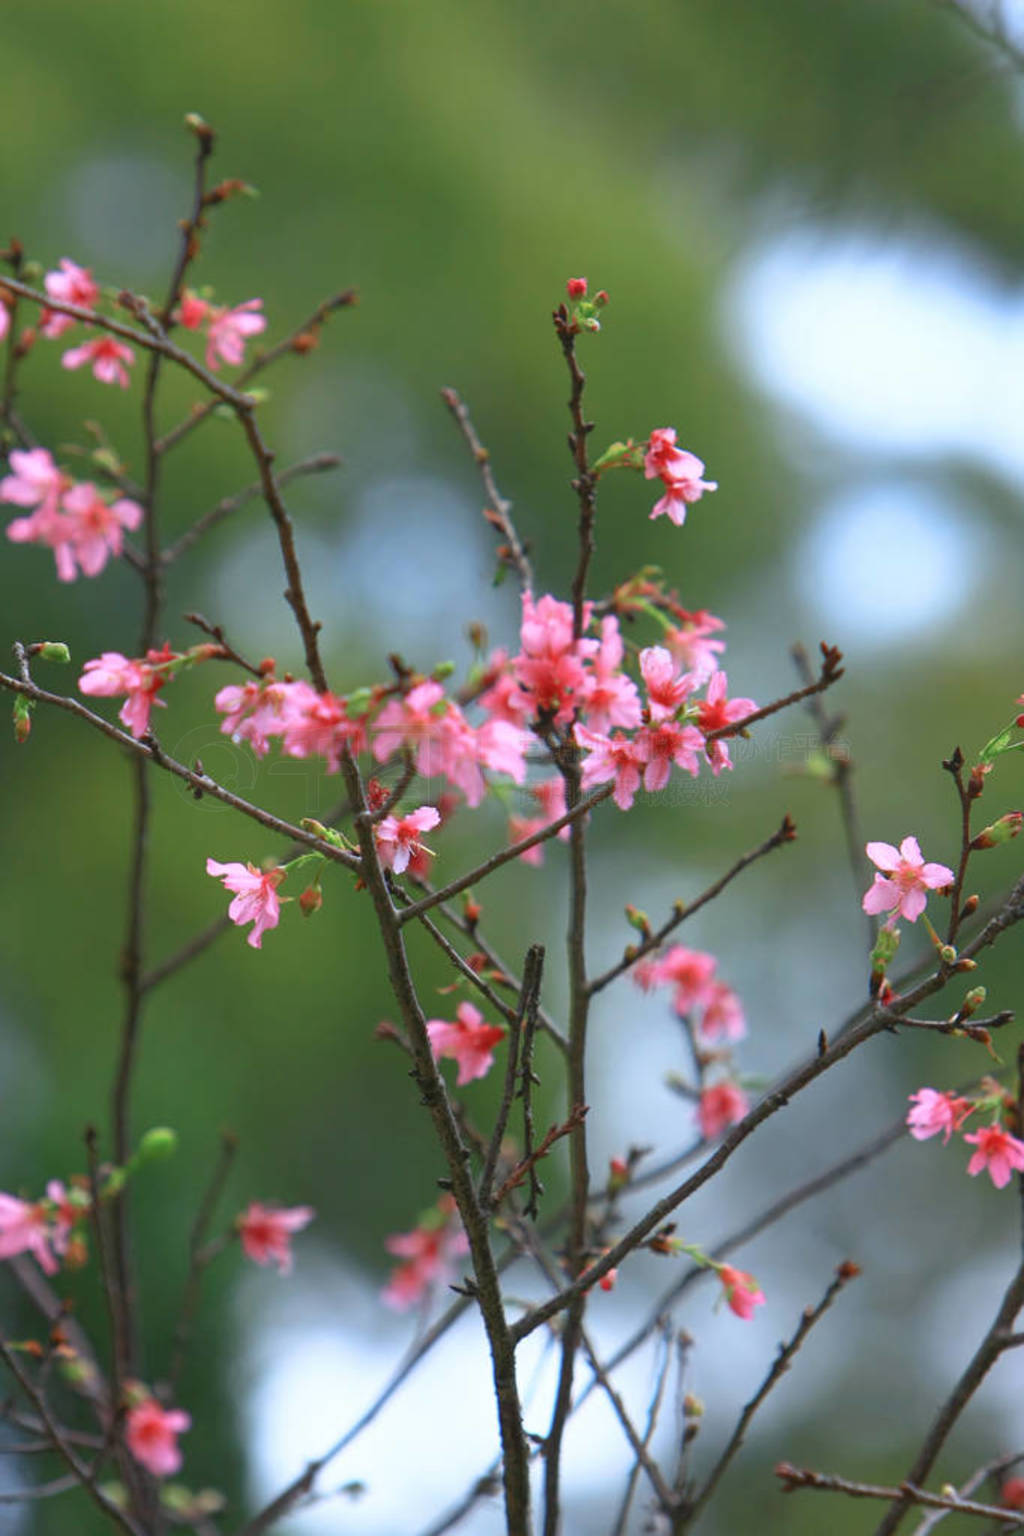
[(808, 219)]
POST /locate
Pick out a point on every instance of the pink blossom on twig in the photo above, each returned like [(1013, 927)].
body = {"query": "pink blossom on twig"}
[(151, 1434), (108, 358), (997, 1152), (256, 900), (934, 1113), (905, 891), (266, 1232), (468, 1041)]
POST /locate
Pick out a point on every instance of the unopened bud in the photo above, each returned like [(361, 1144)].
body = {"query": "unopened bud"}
[(1000, 831), (576, 287), (202, 130), (947, 954), (638, 920), (159, 1142), (267, 666), (973, 1001), (471, 909), (311, 900), (970, 906), (22, 719), (693, 1407), (976, 782), (618, 1174), (54, 650)]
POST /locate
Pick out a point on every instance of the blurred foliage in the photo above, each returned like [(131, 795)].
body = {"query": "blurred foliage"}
[(456, 162)]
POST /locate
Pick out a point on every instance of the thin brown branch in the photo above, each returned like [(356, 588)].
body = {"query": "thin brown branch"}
[(794, 1478), (682, 910), (585, 481), (831, 672), (780, 1365), (654, 1409), (529, 999), (198, 1254), (499, 511), (985, 1356), (317, 464), (148, 749)]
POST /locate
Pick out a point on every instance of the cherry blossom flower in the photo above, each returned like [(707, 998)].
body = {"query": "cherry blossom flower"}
[(680, 473), (1011, 1494), (723, 1017), (112, 674), (192, 311), (25, 1227), (549, 667), (721, 1105), (108, 359), (666, 743), (398, 837), (228, 331), (666, 689), (428, 1253), (933, 1113), (97, 527), (576, 287), (905, 891), (997, 1151), (151, 1434), (37, 482), (317, 724), (70, 284), (611, 696), (266, 1232), (741, 1291), (715, 711), (468, 1040), (692, 647), (691, 972), (611, 757), (256, 900)]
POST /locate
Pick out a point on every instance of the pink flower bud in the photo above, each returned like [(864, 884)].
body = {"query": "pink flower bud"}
[(576, 287), (1000, 831)]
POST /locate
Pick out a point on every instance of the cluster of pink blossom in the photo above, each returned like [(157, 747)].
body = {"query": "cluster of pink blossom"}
[(428, 1255), (108, 358), (741, 1291), (227, 329), (398, 837), (74, 520), (933, 1113), (902, 889), (717, 1016)]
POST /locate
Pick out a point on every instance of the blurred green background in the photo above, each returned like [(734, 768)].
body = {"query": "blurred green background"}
[(457, 162)]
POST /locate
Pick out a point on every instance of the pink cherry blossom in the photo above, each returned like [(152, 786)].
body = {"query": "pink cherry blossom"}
[(193, 311), (107, 358), (997, 1151), (690, 971), (151, 1434), (228, 331), (112, 674), (468, 1040), (256, 900), (716, 711), (611, 696), (25, 1227), (550, 666), (934, 1113), (741, 1291), (428, 1253), (910, 879), (721, 1105), (266, 1232), (666, 743), (666, 689), (398, 837), (36, 478), (318, 725), (680, 473), (71, 284), (692, 647), (97, 526), (723, 1017), (501, 697), (611, 757)]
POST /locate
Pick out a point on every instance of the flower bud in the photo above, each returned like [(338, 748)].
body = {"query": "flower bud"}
[(973, 1001), (618, 1174), (311, 900), (158, 1143), (1000, 831), (22, 719), (576, 287), (54, 650)]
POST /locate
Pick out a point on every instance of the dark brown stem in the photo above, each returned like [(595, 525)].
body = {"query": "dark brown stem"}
[(794, 1478), (954, 767)]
